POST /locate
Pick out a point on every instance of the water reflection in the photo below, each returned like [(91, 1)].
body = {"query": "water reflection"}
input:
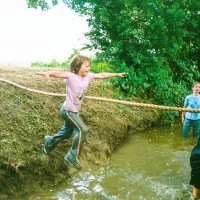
[(150, 165)]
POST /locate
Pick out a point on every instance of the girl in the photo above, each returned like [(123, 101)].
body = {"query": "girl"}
[(77, 79), (189, 118)]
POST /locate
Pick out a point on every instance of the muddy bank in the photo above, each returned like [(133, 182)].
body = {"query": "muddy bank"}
[(26, 117)]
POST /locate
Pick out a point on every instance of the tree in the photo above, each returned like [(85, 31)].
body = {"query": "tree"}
[(43, 4), (156, 41)]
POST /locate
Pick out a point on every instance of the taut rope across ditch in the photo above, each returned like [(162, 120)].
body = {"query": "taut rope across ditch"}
[(152, 106)]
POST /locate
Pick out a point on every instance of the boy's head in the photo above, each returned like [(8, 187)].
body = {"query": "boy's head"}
[(196, 87), (76, 63)]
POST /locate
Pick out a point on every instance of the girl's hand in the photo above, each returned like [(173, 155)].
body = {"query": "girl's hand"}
[(45, 74), (122, 74)]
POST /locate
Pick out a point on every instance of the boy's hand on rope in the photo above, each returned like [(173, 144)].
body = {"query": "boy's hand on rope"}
[(45, 74)]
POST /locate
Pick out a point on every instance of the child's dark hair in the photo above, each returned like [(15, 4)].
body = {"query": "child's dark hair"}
[(76, 63)]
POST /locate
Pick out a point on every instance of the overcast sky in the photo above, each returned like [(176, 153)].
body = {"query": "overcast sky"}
[(32, 35)]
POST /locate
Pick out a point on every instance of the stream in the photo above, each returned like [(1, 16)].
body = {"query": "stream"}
[(150, 165)]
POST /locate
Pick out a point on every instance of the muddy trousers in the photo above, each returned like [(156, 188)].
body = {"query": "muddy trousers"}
[(72, 124)]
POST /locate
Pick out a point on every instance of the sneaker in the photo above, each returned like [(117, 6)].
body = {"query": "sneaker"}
[(72, 161), (46, 146)]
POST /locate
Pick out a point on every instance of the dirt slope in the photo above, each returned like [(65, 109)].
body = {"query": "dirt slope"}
[(26, 117)]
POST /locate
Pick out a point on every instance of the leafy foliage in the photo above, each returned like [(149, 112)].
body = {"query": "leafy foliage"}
[(157, 42)]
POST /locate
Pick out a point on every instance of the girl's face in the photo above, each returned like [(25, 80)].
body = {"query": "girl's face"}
[(196, 88), (85, 68)]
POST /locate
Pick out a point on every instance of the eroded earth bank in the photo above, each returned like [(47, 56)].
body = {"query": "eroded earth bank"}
[(26, 117)]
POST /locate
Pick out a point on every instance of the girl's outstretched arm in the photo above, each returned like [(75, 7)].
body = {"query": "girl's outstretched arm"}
[(109, 75), (56, 74)]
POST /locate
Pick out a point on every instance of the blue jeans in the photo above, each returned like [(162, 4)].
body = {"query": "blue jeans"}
[(187, 125)]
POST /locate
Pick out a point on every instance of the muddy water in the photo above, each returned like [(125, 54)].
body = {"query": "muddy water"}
[(150, 165)]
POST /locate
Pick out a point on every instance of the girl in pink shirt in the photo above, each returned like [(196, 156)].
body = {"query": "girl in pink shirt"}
[(77, 79)]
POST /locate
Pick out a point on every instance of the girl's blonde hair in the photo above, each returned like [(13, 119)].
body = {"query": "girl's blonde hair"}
[(76, 63)]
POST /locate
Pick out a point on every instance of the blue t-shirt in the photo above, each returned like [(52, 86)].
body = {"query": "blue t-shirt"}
[(192, 102)]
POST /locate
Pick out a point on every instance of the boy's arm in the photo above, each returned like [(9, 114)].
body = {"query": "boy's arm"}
[(109, 75), (56, 74)]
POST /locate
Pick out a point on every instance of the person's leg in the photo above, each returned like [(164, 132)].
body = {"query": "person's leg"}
[(196, 130), (186, 127), (51, 141), (195, 174), (80, 132), (64, 133)]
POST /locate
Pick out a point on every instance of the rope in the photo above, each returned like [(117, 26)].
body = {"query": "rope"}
[(107, 100)]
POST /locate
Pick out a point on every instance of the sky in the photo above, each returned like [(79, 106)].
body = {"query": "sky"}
[(28, 34)]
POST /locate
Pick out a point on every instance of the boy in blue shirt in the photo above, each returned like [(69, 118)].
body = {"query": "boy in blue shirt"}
[(189, 118)]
